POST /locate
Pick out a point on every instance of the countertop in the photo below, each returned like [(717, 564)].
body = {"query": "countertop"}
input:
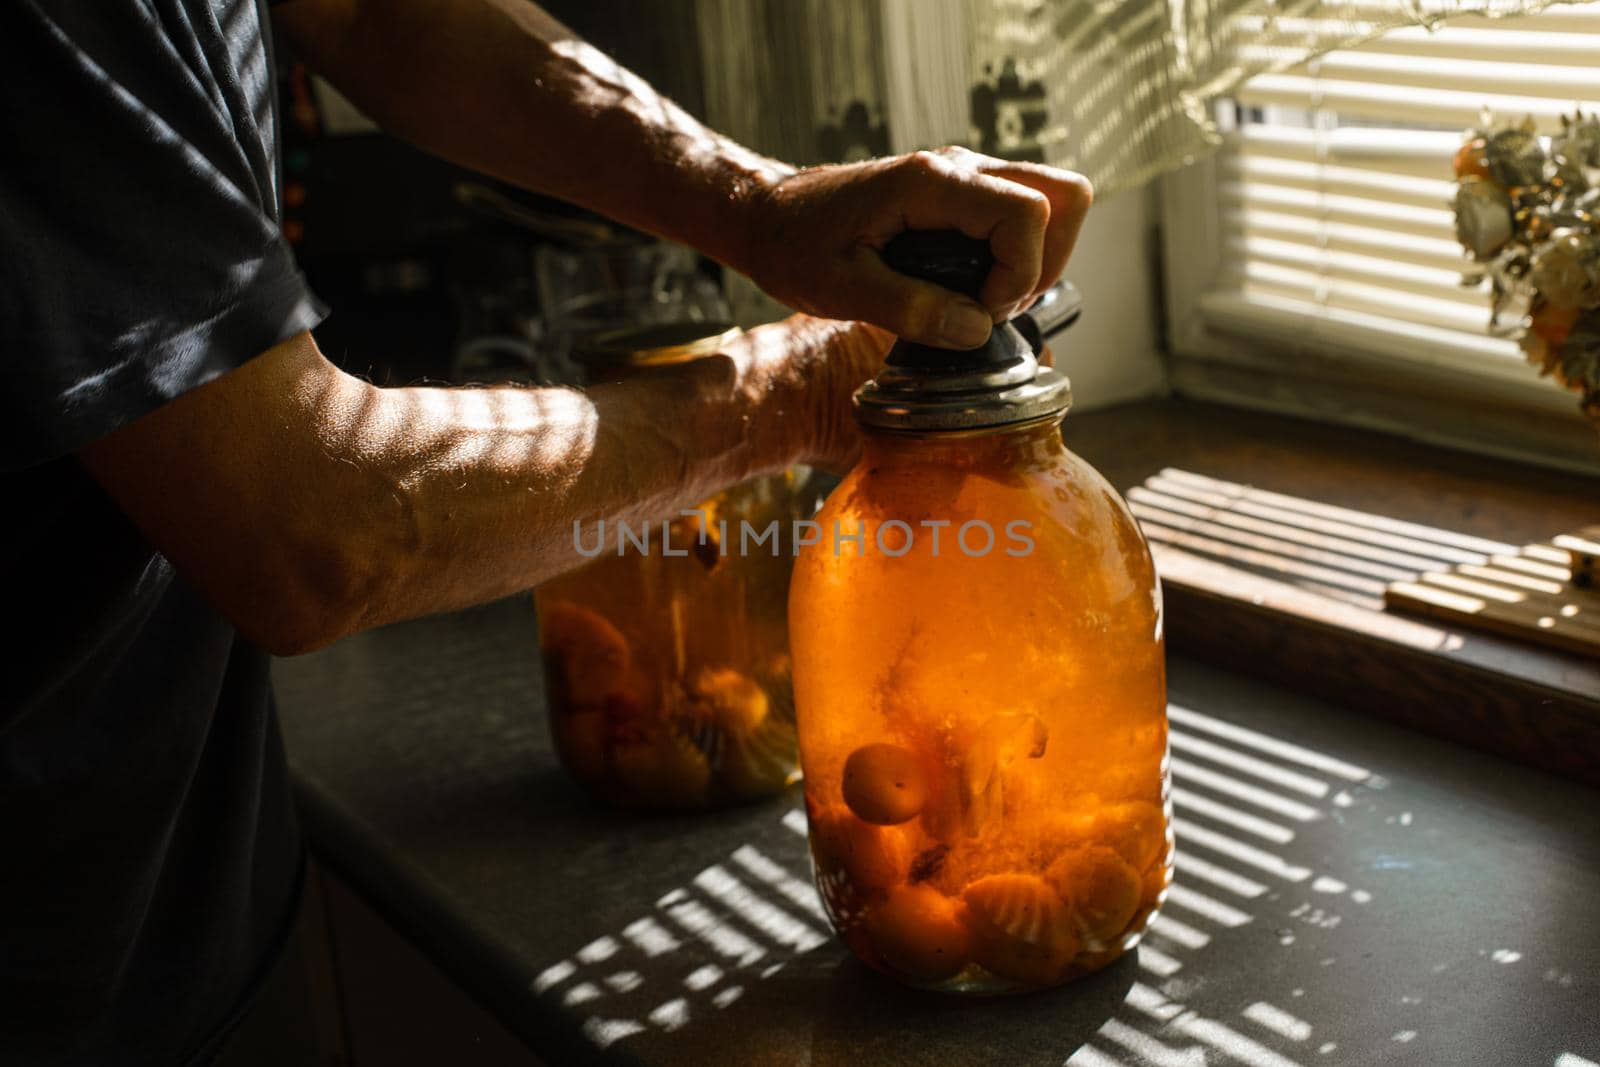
[(1348, 892)]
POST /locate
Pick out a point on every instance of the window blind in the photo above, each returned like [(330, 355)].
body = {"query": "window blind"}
[(1335, 181)]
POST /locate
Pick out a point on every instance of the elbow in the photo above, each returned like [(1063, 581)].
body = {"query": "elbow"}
[(284, 642), (341, 549), (280, 628), (317, 594), (306, 608)]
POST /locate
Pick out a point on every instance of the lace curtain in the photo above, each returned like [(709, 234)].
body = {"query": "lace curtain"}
[(1119, 91)]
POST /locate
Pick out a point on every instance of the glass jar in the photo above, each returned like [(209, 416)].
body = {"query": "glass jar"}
[(668, 674), (666, 659), (979, 674), (982, 704)]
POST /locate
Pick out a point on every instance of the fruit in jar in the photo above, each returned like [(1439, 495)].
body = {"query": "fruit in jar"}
[(718, 731), (693, 646), (1156, 881), (884, 784), (761, 762), (874, 858), (920, 933), (588, 655), (966, 859), (732, 701), (998, 744), (1136, 830), (941, 817), (1104, 890), (755, 745), (1021, 928)]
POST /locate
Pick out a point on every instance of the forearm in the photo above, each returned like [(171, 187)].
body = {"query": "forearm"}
[(308, 505), (488, 483), (501, 87), (493, 480)]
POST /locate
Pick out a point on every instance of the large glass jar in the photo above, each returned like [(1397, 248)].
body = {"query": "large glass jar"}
[(981, 690)]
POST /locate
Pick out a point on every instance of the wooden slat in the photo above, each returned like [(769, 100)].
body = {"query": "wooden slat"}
[(1529, 596), (1547, 554), (1518, 700), (1583, 548)]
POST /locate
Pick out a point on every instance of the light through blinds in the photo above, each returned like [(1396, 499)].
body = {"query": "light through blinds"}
[(1336, 177)]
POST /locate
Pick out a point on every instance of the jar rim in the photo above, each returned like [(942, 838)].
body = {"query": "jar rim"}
[(1047, 394)]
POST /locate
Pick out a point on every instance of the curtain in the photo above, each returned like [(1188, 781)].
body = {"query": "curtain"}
[(1120, 91)]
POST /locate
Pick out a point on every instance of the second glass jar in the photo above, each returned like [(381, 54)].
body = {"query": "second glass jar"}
[(666, 658)]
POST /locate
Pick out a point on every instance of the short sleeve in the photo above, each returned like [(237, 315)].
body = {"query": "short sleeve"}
[(140, 252)]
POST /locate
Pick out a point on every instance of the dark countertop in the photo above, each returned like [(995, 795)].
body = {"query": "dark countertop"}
[(1348, 892)]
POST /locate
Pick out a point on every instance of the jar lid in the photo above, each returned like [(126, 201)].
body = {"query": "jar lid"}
[(924, 388), (652, 344), (923, 401)]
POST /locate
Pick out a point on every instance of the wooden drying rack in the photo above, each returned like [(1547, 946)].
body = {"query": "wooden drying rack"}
[(1545, 593)]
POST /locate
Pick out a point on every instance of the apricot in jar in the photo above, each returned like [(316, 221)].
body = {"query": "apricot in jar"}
[(884, 784), (1104, 891), (733, 702), (874, 858), (589, 655), (920, 933), (1021, 928)]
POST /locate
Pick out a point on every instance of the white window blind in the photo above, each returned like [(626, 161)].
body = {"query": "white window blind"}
[(1336, 180)]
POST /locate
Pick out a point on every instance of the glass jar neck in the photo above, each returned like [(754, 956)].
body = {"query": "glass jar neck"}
[(1019, 445)]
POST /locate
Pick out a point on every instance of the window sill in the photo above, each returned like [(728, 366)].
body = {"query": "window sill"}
[(1530, 704)]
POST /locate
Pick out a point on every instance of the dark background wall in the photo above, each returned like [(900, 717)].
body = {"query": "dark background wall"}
[(408, 271)]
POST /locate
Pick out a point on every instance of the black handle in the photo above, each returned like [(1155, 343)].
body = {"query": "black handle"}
[(944, 257)]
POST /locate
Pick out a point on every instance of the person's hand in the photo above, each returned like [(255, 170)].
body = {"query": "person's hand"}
[(813, 238)]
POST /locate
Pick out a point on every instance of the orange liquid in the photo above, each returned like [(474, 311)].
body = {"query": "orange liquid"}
[(983, 735), (668, 675)]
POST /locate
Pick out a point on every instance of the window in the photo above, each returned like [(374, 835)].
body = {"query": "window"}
[(1312, 265)]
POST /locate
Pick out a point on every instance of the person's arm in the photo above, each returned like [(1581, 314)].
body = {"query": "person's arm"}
[(307, 504), (500, 86)]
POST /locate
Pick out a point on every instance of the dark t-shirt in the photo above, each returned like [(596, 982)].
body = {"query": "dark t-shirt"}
[(149, 861)]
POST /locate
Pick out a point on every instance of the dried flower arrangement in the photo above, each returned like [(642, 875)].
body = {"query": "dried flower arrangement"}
[(1526, 212)]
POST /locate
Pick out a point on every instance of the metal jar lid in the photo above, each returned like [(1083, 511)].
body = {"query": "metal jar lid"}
[(927, 389), (912, 400)]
